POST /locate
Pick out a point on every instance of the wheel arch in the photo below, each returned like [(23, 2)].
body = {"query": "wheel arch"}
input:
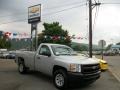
[(57, 67), (20, 59)]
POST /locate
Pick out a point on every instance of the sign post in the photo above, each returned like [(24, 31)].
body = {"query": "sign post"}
[(34, 17), (102, 43)]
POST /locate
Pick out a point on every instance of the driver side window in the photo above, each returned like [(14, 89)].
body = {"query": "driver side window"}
[(44, 50)]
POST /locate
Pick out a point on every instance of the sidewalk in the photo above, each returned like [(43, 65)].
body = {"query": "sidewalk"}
[(115, 72), (114, 65)]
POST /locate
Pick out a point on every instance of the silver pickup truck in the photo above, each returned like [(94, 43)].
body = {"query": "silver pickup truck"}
[(60, 62)]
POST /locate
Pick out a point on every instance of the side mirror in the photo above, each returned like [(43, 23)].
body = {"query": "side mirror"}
[(46, 54)]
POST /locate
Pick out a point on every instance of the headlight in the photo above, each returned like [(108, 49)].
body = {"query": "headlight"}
[(75, 68)]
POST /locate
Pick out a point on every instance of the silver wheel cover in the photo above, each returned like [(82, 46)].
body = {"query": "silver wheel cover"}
[(59, 80), (21, 67)]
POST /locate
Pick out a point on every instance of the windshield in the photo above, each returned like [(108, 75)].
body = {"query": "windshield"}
[(62, 50)]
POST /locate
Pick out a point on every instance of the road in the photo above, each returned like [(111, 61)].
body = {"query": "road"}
[(114, 65), (10, 79)]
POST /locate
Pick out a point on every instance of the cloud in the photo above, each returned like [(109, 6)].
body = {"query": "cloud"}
[(74, 20)]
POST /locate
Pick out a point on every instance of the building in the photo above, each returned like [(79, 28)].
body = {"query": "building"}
[(115, 48)]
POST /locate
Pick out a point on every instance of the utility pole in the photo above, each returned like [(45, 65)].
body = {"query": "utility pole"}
[(90, 28), (91, 6)]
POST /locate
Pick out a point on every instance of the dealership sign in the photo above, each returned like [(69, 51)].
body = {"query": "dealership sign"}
[(34, 13)]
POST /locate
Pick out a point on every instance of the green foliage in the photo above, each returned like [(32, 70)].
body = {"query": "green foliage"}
[(80, 47), (83, 47), (109, 47), (54, 29), (4, 43), (20, 44), (118, 43)]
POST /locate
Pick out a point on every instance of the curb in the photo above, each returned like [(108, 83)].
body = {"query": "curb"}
[(114, 74)]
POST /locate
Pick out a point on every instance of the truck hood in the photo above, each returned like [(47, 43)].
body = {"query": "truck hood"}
[(77, 59)]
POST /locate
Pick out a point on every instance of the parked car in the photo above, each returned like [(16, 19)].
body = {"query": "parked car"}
[(103, 65), (4, 54), (109, 53), (1, 54), (11, 55)]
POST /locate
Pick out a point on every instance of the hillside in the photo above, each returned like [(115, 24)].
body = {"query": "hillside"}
[(25, 44), (20, 44), (95, 47)]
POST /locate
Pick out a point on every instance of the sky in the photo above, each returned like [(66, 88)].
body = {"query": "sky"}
[(75, 20)]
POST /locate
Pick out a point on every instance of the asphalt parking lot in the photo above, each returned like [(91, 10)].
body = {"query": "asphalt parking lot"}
[(10, 79)]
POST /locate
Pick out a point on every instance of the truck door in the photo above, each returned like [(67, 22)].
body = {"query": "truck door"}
[(43, 60)]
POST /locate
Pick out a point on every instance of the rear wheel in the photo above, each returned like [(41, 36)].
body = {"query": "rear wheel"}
[(60, 79), (22, 68)]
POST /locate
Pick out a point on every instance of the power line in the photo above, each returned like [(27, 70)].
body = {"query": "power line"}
[(87, 31), (13, 21), (97, 10), (66, 5), (111, 3), (96, 15), (45, 14), (66, 9), (50, 13), (23, 13)]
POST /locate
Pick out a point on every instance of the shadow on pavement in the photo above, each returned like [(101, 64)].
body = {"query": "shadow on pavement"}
[(48, 79)]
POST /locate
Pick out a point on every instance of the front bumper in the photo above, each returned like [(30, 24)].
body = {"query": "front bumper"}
[(83, 78)]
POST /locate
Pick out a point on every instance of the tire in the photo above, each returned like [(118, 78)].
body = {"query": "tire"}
[(7, 57), (22, 68), (60, 79)]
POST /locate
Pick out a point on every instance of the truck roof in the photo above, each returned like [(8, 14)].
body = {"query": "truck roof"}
[(49, 44)]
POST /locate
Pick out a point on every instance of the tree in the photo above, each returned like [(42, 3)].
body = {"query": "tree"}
[(80, 47), (4, 43), (54, 33), (118, 43), (109, 47)]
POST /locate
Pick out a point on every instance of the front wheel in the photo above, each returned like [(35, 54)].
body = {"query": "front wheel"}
[(60, 79)]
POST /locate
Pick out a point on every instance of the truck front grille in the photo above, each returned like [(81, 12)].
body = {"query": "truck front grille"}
[(90, 68)]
